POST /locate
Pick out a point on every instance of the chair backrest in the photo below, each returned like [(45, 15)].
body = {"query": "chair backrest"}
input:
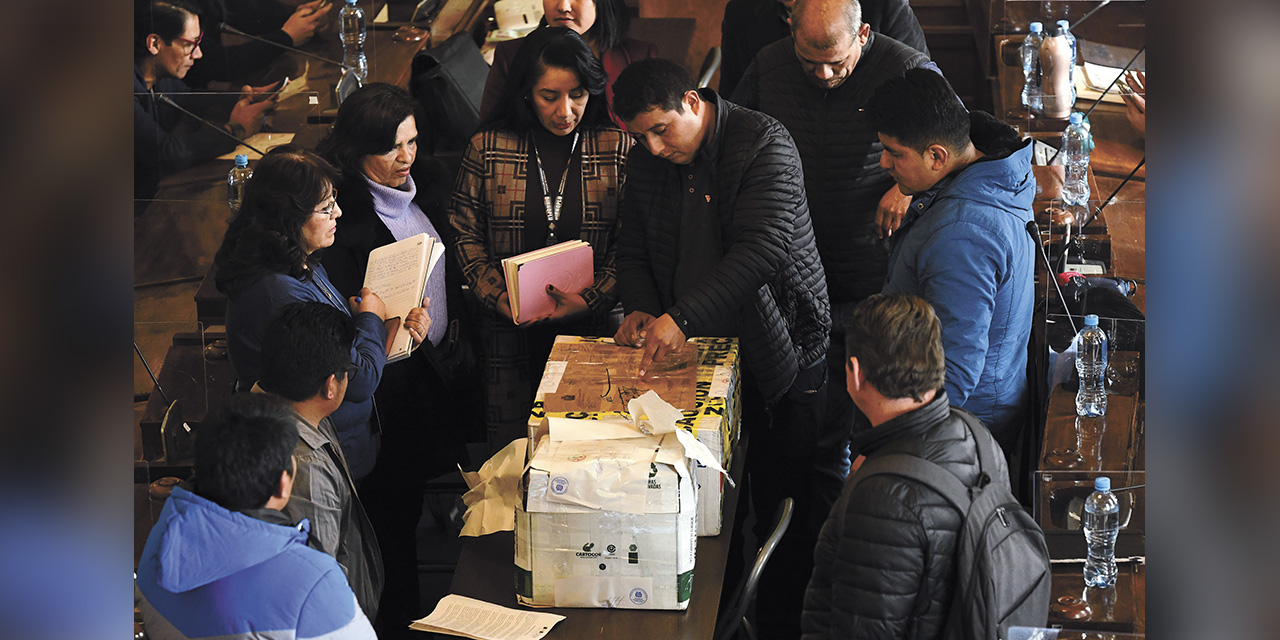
[(733, 619), (709, 66)]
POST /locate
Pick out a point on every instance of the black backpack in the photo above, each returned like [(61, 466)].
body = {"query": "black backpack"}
[(1001, 561), (449, 82)]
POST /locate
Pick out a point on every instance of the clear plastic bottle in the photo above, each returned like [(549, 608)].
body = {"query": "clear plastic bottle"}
[(1055, 77), (1076, 145), (1075, 56), (1031, 68), (236, 180), (1101, 522), (1091, 364), (351, 27)]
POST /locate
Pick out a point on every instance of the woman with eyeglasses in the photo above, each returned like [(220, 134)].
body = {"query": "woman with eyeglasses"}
[(430, 403), (271, 257), (602, 24), (550, 135)]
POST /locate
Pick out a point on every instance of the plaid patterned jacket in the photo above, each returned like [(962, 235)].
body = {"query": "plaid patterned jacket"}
[(488, 207)]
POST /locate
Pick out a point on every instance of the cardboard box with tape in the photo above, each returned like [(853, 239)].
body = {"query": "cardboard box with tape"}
[(593, 379)]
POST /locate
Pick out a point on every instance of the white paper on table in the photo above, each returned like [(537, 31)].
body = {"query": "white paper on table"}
[(567, 429), (470, 618), (260, 140)]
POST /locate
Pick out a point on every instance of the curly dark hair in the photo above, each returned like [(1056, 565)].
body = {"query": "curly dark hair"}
[(559, 47), (266, 235)]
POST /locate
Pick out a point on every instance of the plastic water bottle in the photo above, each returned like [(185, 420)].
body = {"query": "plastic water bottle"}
[(1101, 525), (236, 180), (1055, 73), (1076, 144), (351, 26), (1075, 59), (1091, 364), (1031, 68)]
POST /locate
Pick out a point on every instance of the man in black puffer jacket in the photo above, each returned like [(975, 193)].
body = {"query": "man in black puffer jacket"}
[(884, 564), (816, 83), (716, 241)]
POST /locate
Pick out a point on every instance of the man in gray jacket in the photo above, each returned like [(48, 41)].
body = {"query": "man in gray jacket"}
[(306, 358)]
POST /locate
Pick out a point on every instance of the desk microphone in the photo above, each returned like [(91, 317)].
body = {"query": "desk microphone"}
[(169, 101), (1034, 230), (1077, 284), (1106, 202), (230, 29)]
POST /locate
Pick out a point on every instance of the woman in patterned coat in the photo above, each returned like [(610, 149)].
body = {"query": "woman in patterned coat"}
[(551, 124)]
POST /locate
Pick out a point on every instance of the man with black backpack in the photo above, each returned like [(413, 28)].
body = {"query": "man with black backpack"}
[(926, 540)]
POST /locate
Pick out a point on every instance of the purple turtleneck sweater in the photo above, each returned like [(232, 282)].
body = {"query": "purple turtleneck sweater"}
[(405, 219)]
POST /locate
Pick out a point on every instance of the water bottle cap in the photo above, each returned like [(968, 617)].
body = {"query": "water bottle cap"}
[(1036, 27), (1102, 483), (242, 160), (1076, 117), (1091, 320), (351, 1), (1066, 26)]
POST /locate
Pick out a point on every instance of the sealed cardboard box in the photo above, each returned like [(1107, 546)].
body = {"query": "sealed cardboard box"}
[(594, 378), (606, 524)]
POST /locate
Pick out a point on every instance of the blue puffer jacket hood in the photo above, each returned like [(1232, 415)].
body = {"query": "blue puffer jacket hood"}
[(190, 524)]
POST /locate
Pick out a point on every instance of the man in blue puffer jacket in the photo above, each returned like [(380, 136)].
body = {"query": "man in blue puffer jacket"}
[(963, 246), (225, 562)]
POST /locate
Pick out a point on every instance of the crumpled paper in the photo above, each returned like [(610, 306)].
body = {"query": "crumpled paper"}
[(494, 491)]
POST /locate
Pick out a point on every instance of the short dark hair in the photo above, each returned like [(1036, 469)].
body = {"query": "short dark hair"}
[(559, 47), (165, 18), (242, 447), (366, 125), (649, 83), (897, 340), (288, 183), (305, 343), (919, 108)]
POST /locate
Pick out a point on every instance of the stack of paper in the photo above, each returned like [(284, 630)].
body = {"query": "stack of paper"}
[(569, 266), (398, 273)]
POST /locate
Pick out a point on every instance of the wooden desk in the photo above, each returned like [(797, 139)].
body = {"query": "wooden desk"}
[(486, 571), (1121, 608)]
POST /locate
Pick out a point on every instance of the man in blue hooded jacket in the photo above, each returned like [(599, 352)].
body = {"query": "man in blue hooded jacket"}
[(223, 561), (963, 245)]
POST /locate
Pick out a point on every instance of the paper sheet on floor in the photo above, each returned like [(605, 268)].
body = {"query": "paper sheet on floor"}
[(470, 618)]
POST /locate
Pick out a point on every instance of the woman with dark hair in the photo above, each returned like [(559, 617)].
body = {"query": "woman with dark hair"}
[(429, 403), (550, 125), (270, 258), (602, 23)]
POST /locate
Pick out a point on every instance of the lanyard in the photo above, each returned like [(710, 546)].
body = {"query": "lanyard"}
[(553, 210)]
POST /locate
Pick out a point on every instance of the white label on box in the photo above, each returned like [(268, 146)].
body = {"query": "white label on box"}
[(613, 593), (551, 376)]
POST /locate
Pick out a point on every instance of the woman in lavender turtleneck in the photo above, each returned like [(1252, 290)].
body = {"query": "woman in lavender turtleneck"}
[(430, 403)]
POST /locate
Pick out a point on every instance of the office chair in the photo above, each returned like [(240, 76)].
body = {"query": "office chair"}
[(735, 619), (709, 66)]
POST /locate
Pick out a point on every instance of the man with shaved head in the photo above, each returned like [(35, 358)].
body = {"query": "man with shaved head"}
[(816, 83)]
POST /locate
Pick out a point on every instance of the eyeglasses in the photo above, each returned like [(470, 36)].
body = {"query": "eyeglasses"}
[(189, 46), (328, 211)]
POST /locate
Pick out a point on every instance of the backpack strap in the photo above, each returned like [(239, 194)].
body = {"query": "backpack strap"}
[(923, 471), (986, 453)]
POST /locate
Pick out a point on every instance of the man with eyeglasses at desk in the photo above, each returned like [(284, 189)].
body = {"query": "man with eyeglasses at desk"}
[(167, 39)]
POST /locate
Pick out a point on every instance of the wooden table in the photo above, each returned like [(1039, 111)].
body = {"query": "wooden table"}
[(486, 571)]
